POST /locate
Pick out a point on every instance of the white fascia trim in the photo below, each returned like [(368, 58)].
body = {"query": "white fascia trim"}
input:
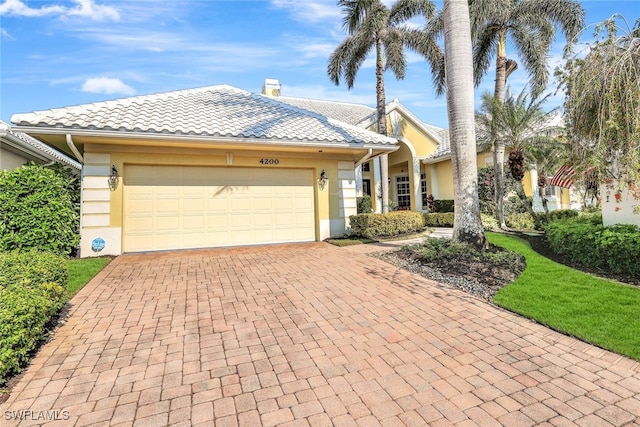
[(208, 139)]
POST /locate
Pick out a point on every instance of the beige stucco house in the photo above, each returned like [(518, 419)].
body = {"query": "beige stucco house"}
[(207, 167)]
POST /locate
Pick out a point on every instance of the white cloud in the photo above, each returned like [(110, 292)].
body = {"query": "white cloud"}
[(310, 10), (83, 8), (88, 9), (107, 85), (5, 34)]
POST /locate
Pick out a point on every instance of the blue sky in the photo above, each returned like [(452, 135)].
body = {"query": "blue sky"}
[(61, 53)]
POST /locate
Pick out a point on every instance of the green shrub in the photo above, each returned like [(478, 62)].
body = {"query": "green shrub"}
[(389, 224), (24, 313), (615, 248), (444, 205), (36, 211), (489, 222), (436, 219), (363, 204), (434, 250), (562, 214), (514, 205), (519, 221), (32, 268)]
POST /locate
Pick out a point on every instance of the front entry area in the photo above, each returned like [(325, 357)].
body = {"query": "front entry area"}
[(185, 207)]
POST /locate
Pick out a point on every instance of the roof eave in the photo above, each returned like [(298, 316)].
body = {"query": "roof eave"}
[(318, 144), (23, 146)]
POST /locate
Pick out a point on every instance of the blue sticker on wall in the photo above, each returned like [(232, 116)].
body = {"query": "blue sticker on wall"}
[(97, 244)]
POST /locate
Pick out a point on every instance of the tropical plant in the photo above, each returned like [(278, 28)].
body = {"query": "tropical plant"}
[(467, 224), (602, 105), (370, 24), (529, 24), (522, 126)]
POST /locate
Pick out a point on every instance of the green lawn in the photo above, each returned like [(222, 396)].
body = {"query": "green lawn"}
[(82, 270), (599, 311)]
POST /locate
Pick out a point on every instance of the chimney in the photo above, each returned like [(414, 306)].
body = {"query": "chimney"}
[(271, 87)]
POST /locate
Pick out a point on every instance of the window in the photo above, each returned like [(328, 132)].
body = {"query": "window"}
[(549, 191), (423, 189), (403, 192), (366, 167), (366, 187)]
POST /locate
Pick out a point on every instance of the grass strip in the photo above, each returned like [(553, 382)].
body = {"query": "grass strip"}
[(82, 270), (595, 310)]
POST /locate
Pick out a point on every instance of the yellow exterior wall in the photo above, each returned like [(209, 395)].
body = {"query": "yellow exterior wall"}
[(422, 144), (528, 185), (443, 174)]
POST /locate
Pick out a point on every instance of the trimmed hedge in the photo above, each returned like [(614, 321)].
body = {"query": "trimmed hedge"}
[(363, 204), (519, 221), (614, 248), (436, 219), (446, 220), (443, 206), (32, 268), (389, 224), (37, 211), (31, 293)]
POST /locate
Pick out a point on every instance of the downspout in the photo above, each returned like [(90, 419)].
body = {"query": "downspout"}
[(365, 158), (74, 149)]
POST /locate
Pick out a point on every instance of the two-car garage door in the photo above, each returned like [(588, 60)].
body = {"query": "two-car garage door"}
[(179, 207)]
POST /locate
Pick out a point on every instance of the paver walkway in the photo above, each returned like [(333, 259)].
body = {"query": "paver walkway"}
[(308, 334)]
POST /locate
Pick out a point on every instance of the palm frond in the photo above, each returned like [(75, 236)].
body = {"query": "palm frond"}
[(396, 59), (403, 10)]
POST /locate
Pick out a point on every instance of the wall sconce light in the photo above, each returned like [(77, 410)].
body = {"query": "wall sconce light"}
[(323, 179), (113, 178)]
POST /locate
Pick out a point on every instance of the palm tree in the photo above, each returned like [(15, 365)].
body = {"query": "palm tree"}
[(529, 24), (524, 128), (370, 24), (467, 226)]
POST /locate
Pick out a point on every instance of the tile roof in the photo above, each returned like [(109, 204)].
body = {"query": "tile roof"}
[(36, 147), (346, 112), (213, 111)]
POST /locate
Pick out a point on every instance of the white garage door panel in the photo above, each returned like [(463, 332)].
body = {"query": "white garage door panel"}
[(172, 207)]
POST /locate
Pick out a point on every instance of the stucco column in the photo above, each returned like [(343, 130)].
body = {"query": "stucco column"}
[(358, 171), (417, 187), (377, 186), (384, 181)]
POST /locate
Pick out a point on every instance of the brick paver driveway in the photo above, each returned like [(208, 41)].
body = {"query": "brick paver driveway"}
[(308, 334)]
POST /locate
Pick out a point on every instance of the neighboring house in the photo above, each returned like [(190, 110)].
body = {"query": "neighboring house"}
[(207, 167), (558, 196), (18, 148)]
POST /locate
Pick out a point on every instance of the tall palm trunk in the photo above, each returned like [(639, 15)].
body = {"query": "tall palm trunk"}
[(467, 226), (382, 125), (499, 146)]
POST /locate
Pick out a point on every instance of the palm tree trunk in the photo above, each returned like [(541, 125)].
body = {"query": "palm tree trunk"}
[(382, 124), (467, 226), (499, 146), (545, 204), (528, 204)]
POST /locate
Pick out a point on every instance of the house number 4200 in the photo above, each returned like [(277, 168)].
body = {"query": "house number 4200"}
[(269, 161)]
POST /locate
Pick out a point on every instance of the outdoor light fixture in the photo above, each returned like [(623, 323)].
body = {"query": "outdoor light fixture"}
[(113, 178), (323, 179)]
